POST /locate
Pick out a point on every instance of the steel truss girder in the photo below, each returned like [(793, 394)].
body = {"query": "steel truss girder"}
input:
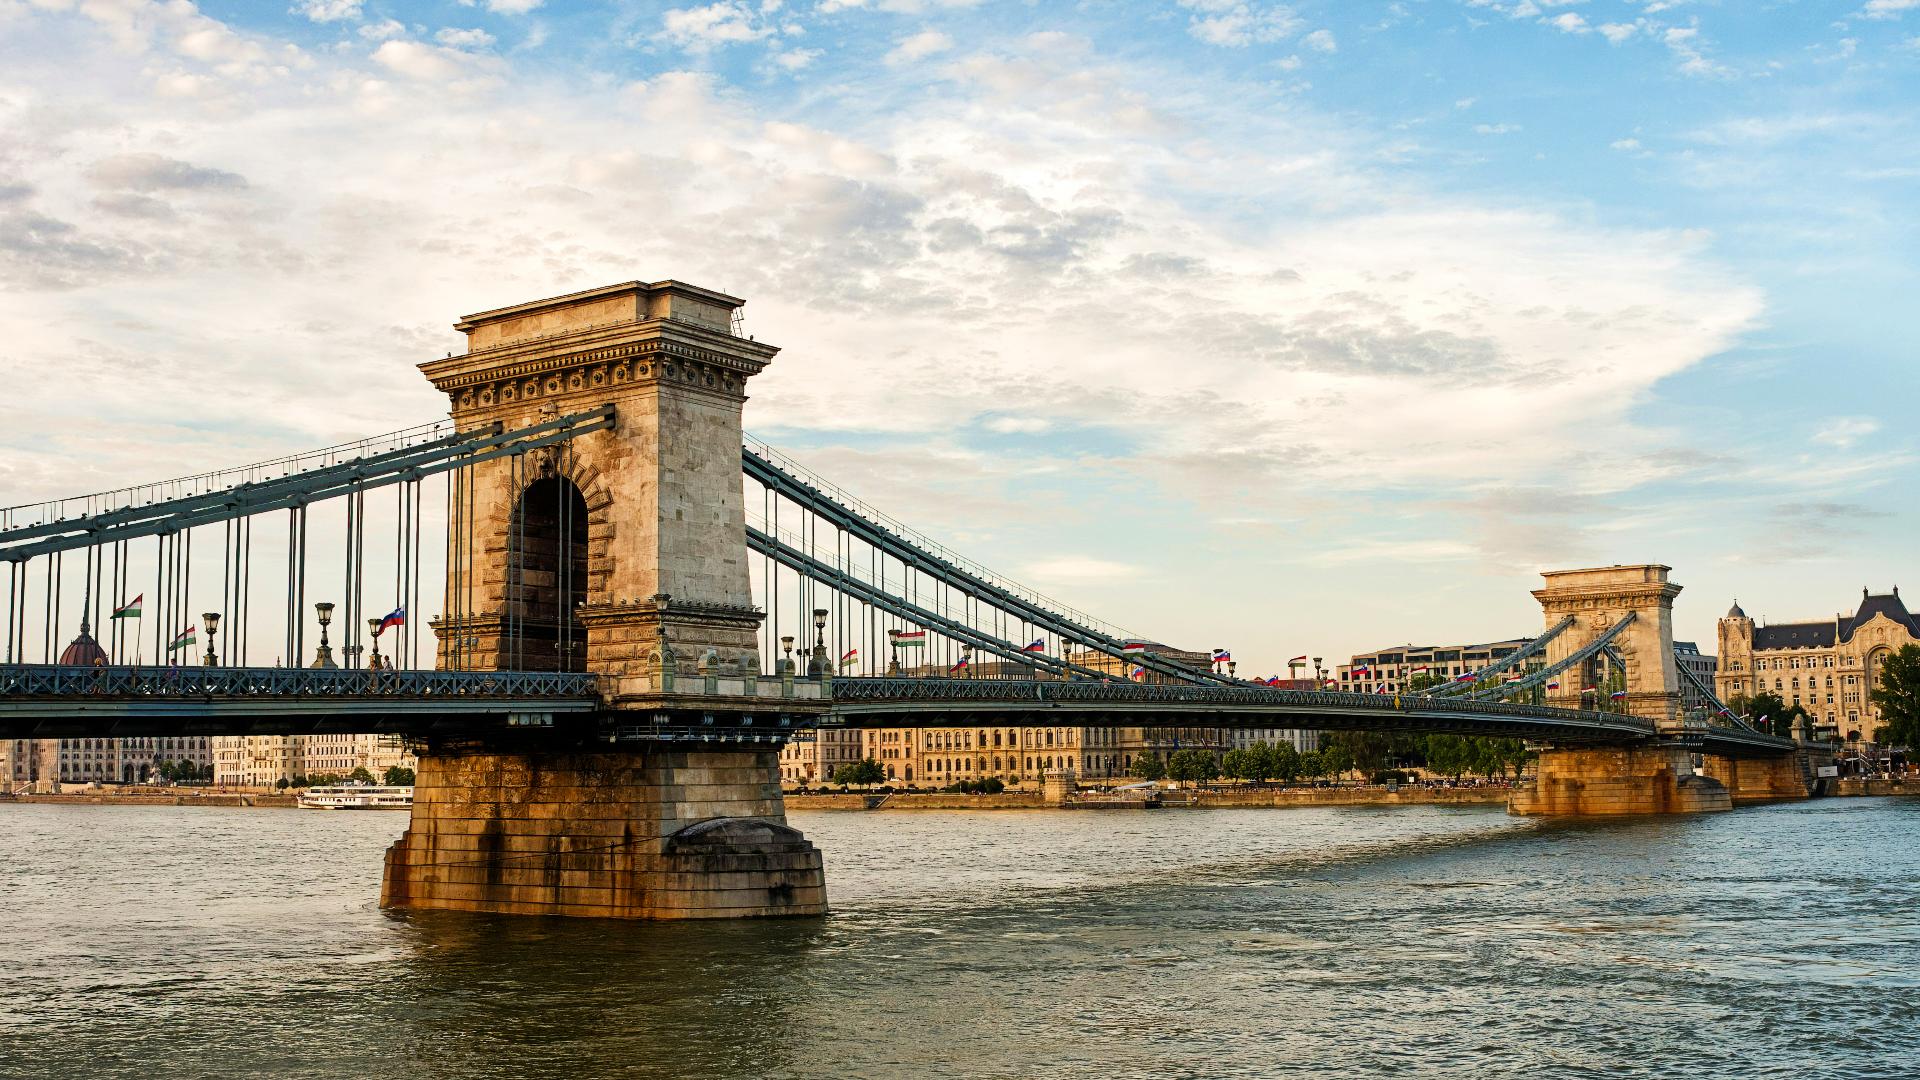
[(918, 558), (244, 500)]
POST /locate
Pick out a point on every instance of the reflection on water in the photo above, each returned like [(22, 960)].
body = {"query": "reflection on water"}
[(1414, 941)]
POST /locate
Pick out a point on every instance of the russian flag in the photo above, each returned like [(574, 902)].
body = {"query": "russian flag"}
[(1617, 694), (396, 617), (1553, 686), (1039, 646), (1467, 677)]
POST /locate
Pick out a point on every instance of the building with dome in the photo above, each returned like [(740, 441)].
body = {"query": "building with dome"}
[(1826, 666)]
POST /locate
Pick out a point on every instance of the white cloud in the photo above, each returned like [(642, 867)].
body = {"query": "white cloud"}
[(418, 61), (919, 47), (1615, 33), (1888, 9), (1029, 238), (463, 39), (1226, 23), (382, 30), (328, 10), (1321, 40), (1625, 144), (1570, 22), (701, 29), (505, 7), (1843, 432), (796, 59), (1495, 129)]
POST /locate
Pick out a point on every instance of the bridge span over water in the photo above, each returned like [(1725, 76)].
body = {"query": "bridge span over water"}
[(623, 584)]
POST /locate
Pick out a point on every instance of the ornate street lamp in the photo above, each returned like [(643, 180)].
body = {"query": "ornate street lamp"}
[(786, 645), (373, 631), (966, 659), (323, 656), (818, 664), (211, 620)]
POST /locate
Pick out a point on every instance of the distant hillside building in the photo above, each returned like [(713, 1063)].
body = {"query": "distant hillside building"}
[(1826, 666)]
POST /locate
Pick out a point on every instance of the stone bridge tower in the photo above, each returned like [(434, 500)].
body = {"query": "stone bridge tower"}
[(1656, 776), (1598, 600), (621, 552), (638, 531)]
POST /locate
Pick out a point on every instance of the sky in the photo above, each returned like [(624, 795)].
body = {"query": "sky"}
[(1304, 328)]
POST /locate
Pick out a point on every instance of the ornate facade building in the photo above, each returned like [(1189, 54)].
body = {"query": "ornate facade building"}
[(1826, 666), (265, 760)]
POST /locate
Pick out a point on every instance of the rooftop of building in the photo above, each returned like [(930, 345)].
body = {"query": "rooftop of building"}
[(1825, 633)]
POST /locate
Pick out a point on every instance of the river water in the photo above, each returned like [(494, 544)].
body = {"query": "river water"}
[(1411, 942)]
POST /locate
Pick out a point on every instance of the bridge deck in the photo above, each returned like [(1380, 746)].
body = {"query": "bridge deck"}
[(53, 701)]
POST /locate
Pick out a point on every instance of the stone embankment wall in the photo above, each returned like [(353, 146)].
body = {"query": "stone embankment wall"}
[(1857, 785), (229, 798), (1244, 797)]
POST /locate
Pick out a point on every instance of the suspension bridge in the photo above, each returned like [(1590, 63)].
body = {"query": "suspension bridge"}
[(638, 607)]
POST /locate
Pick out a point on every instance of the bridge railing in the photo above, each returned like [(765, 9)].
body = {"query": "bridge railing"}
[(125, 681)]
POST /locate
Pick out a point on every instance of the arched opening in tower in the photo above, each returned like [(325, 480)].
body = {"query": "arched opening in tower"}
[(548, 542)]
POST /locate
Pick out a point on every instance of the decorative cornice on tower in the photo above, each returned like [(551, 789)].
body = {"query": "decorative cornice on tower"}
[(588, 344)]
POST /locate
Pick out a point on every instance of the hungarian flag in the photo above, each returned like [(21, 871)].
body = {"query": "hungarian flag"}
[(908, 639), (1301, 659), (130, 609), (186, 638), (851, 658), (1039, 646), (396, 617), (1134, 648), (1419, 669)]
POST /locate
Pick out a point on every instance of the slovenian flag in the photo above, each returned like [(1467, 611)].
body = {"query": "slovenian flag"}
[(850, 658), (1361, 670), (1467, 677), (1221, 656), (957, 665), (908, 639), (1039, 646), (1553, 686), (1617, 694), (130, 609), (1138, 673), (396, 617), (1134, 648), (186, 638), (1273, 680)]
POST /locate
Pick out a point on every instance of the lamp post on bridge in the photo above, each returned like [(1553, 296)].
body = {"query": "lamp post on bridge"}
[(786, 645), (373, 628), (817, 664), (211, 620), (323, 656)]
